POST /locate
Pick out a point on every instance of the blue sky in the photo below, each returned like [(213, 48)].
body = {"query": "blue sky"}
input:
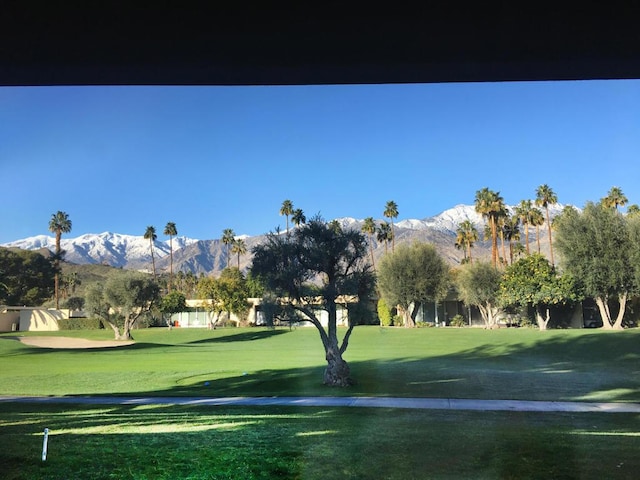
[(208, 158)]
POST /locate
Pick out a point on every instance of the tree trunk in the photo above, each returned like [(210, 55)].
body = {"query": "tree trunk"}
[(543, 321), (605, 313), (337, 373)]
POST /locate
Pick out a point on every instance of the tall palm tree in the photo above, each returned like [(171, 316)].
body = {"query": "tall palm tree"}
[(384, 234), (150, 234), (369, 227), (490, 204), (545, 196), (286, 209), (228, 237), (58, 224), (615, 198), (170, 230), (502, 218), (298, 217), (239, 247), (537, 220), (466, 236), (391, 212), (523, 211), (511, 233)]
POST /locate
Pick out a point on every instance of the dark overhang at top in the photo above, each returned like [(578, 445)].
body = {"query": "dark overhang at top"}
[(324, 43)]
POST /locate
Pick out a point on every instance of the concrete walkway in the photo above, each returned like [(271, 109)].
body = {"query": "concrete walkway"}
[(369, 402)]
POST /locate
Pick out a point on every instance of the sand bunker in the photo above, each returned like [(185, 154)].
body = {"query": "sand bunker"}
[(69, 342)]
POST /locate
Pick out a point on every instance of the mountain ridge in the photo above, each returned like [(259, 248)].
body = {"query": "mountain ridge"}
[(211, 256)]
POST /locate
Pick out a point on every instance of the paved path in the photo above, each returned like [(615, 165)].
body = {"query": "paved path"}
[(370, 402)]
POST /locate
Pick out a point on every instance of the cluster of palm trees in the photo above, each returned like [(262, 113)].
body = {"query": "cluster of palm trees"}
[(501, 224), (171, 231), (297, 215), (234, 245), (384, 232)]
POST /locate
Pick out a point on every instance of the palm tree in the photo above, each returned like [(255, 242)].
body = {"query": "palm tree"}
[(58, 224), (298, 217), (391, 212), (502, 218), (615, 198), (537, 220), (511, 233), (150, 234), (228, 237), (171, 230), (523, 211), (369, 227), (239, 247), (384, 234), (466, 236), (633, 209), (545, 197), (286, 209), (489, 204)]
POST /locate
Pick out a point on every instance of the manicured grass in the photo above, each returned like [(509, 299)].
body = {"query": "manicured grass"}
[(160, 442), (454, 363), (179, 442)]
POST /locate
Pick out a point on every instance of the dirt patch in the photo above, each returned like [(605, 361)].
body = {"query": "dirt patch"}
[(69, 342)]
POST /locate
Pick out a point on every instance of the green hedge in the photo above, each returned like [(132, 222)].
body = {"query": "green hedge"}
[(80, 324)]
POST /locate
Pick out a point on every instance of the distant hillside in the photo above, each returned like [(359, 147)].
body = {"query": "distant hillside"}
[(210, 256)]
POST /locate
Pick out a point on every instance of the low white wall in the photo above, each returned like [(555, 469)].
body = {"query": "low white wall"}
[(41, 320)]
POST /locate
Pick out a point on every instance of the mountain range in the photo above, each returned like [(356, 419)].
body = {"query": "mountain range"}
[(210, 256)]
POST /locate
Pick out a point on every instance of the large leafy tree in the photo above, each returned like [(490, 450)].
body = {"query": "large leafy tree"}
[(150, 234), (596, 249), (228, 237), (490, 205), (369, 227), (545, 196), (391, 212), (170, 230), (412, 275), (478, 284), (122, 300), (173, 302), (26, 277), (58, 224), (533, 282), (311, 271), (286, 209)]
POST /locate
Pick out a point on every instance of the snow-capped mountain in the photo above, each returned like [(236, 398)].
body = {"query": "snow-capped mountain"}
[(206, 256), (114, 249)]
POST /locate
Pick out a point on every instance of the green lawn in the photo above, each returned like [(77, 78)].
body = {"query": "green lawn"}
[(180, 442), (160, 442), (455, 363)]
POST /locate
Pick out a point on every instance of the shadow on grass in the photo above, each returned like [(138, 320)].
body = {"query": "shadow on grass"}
[(240, 337), (598, 367)]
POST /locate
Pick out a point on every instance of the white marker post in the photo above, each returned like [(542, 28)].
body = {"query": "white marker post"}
[(45, 440)]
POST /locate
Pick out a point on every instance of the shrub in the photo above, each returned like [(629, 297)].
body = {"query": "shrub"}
[(80, 324), (398, 321), (458, 321), (384, 313)]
